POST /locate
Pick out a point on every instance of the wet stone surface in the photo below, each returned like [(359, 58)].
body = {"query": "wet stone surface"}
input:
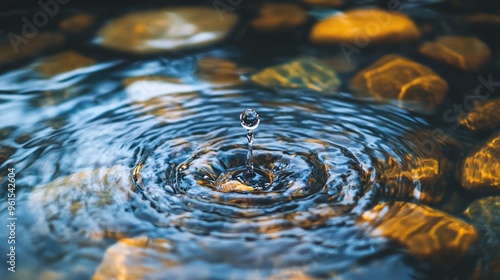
[(425, 232), (275, 17), (402, 81), (464, 52), (481, 169), (485, 117), (63, 63)]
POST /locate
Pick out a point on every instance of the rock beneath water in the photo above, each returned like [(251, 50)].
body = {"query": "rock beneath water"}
[(88, 203), (163, 30), (396, 78), (276, 17), (428, 234), (63, 63), (484, 214), (136, 258), (464, 52), (41, 42), (325, 3), (234, 186), (484, 117), (218, 71), (481, 169), (482, 19), (361, 27), (300, 74), (76, 24)]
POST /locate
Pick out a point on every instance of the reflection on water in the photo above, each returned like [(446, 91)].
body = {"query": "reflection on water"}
[(135, 167)]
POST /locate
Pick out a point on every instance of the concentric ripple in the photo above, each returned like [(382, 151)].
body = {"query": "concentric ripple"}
[(323, 156)]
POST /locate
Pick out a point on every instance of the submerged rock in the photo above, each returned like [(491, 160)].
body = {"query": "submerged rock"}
[(218, 71), (484, 214), (325, 3), (136, 258), (76, 24), (88, 203), (63, 63), (163, 30), (396, 78), (464, 52), (361, 27), (483, 19), (301, 73), (484, 117), (428, 234), (481, 169), (275, 17), (41, 42)]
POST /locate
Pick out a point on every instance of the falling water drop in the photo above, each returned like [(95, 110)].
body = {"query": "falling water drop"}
[(249, 120)]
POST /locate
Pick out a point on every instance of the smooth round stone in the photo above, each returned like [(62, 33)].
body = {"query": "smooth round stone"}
[(464, 52), (275, 17), (136, 258), (484, 117), (365, 26), (428, 234), (63, 63), (396, 78), (481, 169), (43, 41), (82, 203), (163, 30), (77, 24), (484, 214), (301, 73)]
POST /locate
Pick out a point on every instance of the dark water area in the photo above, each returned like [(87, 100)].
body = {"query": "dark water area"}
[(128, 161)]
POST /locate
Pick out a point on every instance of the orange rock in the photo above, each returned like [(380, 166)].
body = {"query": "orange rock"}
[(365, 26), (427, 233), (218, 71), (394, 77), (465, 53), (484, 19), (63, 63), (274, 17), (481, 169), (484, 117)]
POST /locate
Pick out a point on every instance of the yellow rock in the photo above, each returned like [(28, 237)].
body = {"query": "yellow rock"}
[(234, 186), (274, 17), (76, 24), (361, 27), (63, 63), (427, 233), (464, 52), (136, 258), (484, 117), (169, 29), (300, 73), (43, 41), (481, 169), (396, 78)]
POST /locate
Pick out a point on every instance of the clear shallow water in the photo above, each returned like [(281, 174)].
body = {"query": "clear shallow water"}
[(326, 156)]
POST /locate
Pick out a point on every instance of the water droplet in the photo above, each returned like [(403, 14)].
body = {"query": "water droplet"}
[(249, 119)]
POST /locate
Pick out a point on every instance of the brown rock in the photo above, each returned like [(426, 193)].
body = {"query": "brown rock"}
[(484, 117), (481, 169), (76, 24), (218, 71), (63, 63), (166, 30), (81, 202), (484, 19), (300, 73), (427, 233), (136, 258), (396, 78), (365, 26), (41, 42), (275, 17), (325, 3), (484, 214), (465, 53)]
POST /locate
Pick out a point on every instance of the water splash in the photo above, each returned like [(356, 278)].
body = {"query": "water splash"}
[(250, 121)]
